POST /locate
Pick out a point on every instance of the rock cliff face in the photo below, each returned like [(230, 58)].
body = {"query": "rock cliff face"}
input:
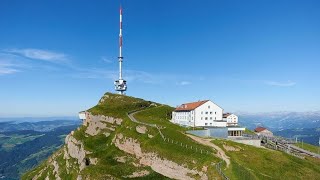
[(107, 147), (162, 166), (75, 157)]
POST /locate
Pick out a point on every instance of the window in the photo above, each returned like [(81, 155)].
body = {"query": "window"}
[(208, 107), (206, 112), (206, 124), (215, 118), (210, 112), (210, 123), (210, 118), (201, 112), (201, 118), (215, 112), (206, 118)]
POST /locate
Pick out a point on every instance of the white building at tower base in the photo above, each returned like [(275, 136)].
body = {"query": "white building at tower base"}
[(210, 116)]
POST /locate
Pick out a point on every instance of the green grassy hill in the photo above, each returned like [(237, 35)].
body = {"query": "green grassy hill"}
[(176, 149), (249, 162), (113, 150)]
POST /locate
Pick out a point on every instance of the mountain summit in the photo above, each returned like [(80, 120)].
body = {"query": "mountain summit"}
[(109, 145), (123, 137)]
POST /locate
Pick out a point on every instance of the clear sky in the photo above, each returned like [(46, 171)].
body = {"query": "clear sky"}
[(58, 57)]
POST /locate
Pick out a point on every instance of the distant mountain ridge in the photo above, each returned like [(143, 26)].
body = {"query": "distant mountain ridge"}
[(41, 126), (277, 121), (28, 148)]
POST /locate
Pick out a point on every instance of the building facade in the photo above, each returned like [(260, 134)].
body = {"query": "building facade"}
[(201, 113), (209, 115), (232, 119)]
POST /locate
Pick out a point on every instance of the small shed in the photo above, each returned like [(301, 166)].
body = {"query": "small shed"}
[(262, 131)]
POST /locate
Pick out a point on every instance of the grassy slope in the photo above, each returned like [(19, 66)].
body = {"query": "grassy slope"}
[(161, 116), (308, 147), (119, 106), (259, 163)]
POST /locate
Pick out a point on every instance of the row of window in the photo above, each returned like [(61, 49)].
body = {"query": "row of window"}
[(202, 118), (206, 118), (208, 112)]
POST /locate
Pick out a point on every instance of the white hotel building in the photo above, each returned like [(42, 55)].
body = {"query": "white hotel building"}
[(206, 114)]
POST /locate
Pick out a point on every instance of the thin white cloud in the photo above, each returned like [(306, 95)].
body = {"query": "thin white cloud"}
[(22, 59), (184, 83), (7, 66), (39, 54), (7, 70), (131, 76), (106, 60), (281, 84)]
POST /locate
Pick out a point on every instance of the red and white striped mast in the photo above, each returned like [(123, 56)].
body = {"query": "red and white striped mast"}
[(120, 46), (121, 84)]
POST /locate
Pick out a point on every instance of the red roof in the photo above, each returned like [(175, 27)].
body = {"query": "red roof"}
[(190, 106), (259, 129)]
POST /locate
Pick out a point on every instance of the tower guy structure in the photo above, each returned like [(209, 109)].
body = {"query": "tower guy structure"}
[(120, 84)]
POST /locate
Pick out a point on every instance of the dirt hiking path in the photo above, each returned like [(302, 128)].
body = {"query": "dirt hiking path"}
[(220, 152)]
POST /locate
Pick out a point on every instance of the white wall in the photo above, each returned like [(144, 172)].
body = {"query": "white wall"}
[(185, 118), (82, 115), (232, 119), (207, 113)]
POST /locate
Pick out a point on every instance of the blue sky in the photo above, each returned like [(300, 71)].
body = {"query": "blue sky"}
[(59, 57)]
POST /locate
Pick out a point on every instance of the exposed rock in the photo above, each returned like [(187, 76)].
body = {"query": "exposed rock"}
[(66, 157), (76, 150), (162, 166), (230, 148), (39, 174), (205, 168), (94, 161), (79, 177), (153, 104), (129, 145), (121, 159), (103, 98), (97, 123), (141, 129), (56, 170), (106, 134), (136, 165), (138, 174), (150, 136)]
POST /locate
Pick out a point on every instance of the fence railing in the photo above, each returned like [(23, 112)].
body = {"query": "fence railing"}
[(218, 167)]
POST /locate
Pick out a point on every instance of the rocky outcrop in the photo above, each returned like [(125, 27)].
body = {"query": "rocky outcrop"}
[(163, 166), (75, 149), (138, 174), (96, 123), (56, 170), (141, 129)]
